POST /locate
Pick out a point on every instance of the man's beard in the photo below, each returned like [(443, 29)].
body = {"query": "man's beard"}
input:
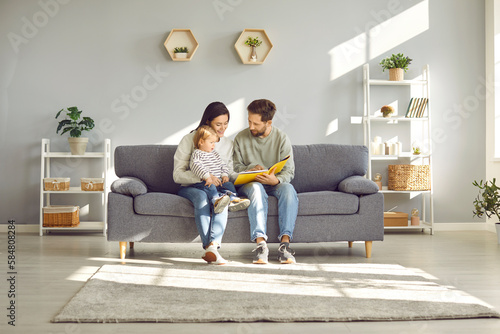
[(258, 134)]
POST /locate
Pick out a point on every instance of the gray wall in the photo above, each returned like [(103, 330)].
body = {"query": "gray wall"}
[(100, 56)]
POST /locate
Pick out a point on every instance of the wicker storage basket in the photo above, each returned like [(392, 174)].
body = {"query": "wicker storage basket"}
[(56, 183), (61, 216), (92, 184), (409, 177)]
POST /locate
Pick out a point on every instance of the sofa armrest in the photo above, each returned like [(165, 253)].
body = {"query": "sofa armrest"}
[(358, 185), (130, 186)]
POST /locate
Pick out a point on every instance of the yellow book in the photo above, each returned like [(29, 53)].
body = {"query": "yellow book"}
[(245, 177)]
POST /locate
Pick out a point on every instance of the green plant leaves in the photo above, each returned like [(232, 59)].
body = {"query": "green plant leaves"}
[(487, 202), (71, 124), (395, 61), (181, 49), (75, 132), (253, 41)]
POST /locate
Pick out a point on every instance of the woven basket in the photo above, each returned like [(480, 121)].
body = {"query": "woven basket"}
[(92, 184), (61, 216), (409, 177), (56, 184), (396, 74)]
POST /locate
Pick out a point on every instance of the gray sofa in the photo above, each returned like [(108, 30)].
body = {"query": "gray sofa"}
[(336, 201)]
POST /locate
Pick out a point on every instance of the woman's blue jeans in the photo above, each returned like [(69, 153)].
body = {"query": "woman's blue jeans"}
[(210, 226), (213, 192), (288, 206)]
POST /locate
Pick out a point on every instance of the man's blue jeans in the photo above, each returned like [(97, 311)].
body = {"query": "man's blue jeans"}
[(210, 226), (288, 206)]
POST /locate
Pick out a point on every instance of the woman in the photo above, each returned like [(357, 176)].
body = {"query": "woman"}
[(210, 225)]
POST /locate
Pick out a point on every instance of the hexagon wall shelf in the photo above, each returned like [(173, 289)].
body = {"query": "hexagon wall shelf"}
[(180, 38), (244, 51)]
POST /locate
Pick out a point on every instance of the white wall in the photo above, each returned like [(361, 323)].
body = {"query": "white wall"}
[(98, 54), (493, 98)]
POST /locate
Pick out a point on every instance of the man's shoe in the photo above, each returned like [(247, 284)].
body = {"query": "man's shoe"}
[(221, 203), (285, 253), (238, 204), (212, 255), (261, 253)]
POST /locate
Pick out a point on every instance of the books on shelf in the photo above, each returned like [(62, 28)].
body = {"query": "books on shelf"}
[(416, 107)]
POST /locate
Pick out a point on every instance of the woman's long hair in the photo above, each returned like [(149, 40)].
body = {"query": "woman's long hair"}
[(213, 110)]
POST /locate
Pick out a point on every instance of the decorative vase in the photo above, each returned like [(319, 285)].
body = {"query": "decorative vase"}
[(396, 74), (78, 145), (497, 225), (415, 219), (253, 55), (181, 55)]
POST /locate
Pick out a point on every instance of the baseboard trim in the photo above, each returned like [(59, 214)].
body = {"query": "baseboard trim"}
[(464, 227), (21, 228)]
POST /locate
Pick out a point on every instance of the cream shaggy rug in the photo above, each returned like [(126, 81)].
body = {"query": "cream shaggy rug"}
[(196, 292)]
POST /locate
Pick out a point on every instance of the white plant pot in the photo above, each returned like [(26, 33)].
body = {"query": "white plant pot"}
[(181, 55), (497, 225), (78, 145)]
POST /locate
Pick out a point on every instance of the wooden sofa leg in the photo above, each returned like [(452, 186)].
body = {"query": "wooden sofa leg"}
[(123, 249), (131, 244), (368, 247), (350, 243)]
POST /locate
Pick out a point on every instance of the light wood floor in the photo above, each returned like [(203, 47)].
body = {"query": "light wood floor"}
[(52, 268)]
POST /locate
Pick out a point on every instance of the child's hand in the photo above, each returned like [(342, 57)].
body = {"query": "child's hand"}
[(213, 180), (225, 179)]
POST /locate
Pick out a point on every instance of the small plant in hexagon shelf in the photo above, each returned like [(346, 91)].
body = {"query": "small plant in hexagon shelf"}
[(181, 52), (253, 42), (181, 49)]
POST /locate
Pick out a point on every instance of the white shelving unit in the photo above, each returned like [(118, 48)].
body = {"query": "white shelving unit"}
[(420, 87), (45, 196)]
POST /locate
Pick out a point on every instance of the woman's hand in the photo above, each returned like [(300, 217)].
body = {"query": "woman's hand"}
[(225, 179)]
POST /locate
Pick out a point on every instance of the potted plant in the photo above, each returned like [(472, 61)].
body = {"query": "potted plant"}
[(75, 127), (415, 147), (181, 52), (487, 202), (387, 111), (253, 42), (397, 64)]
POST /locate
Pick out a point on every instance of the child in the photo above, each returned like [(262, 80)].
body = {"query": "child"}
[(209, 167)]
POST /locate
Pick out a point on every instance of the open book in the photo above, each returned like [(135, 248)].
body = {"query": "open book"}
[(245, 177)]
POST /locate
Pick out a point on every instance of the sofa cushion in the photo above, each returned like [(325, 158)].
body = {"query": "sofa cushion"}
[(153, 164), (310, 204), (327, 203), (163, 204), (315, 203), (358, 185), (323, 166), (130, 186)]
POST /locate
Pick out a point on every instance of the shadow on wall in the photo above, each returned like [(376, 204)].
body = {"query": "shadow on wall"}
[(387, 30)]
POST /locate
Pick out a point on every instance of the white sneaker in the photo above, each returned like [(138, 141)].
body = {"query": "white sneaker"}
[(221, 203), (212, 255), (238, 204)]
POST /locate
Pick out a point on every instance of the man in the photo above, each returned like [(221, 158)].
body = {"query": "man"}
[(256, 147)]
